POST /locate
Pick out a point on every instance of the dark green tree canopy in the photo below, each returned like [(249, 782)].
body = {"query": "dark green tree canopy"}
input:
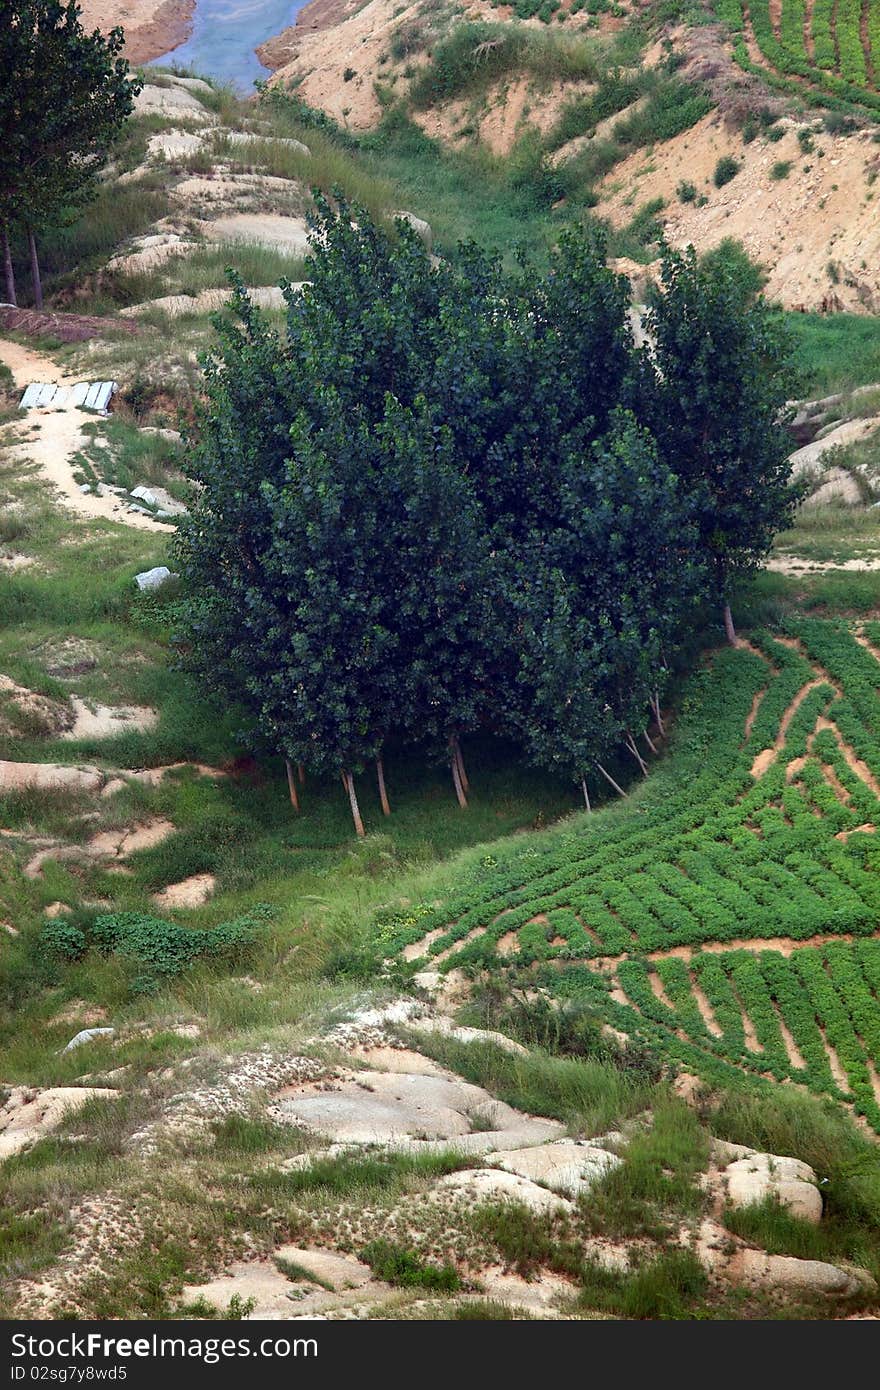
[(453, 496), (64, 96)]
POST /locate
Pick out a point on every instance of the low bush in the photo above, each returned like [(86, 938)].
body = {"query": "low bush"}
[(726, 169), (407, 1269)]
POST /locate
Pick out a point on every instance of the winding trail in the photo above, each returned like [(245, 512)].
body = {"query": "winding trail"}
[(53, 446)]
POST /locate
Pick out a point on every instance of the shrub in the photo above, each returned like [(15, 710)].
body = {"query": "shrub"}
[(726, 169), (63, 940), (686, 192), (158, 949), (406, 1269), (781, 169)]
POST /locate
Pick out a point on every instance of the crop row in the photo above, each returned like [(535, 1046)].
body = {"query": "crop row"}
[(838, 72), (821, 998)]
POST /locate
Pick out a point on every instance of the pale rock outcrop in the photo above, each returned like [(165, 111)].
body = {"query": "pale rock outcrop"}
[(28, 1115), (748, 1177)]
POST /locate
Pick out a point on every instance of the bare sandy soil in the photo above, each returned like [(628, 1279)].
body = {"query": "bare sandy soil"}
[(59, 437), (152, 27), (821, 214), (333, 37)]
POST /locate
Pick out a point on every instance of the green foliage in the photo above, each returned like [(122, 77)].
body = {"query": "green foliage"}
[(726, 169), (730, 258), (407, 1269), (51, 151), (714, 855), (710, 339), (154, 948), (402, 547)]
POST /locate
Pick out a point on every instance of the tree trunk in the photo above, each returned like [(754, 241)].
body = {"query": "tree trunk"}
[(456, 780), (383, 795), (650, 742), (8, 272), (586, 793), (657, 715), (35, 270), (465, 783), (301, 773), (729, 628), (608, 778), (348, 783), (631, 745), (291, 784)]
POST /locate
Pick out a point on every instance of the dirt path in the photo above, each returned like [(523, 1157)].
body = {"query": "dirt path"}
[(60, 436)]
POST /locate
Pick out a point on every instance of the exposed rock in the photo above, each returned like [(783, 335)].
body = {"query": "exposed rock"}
[(23, 711), (244, 137), (104, 721), (850, 432), (174, 144), (444, 1025), (170, 101), (281, 1296), (27, 1114), (570, 1166), (730, 1260), (154, 578), (494, 1184), (205, 302), (287, 234), (159, 497), (538, 1296), (421, 228), (375, 1107), (838, 487), (49, 777), (749, 1177), (327, 1267), (86, 1035)]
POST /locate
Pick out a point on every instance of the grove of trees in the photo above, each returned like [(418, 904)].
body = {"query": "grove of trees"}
[(454, 497), (65, 94)]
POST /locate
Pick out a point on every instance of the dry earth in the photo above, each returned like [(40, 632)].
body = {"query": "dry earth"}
[(152, 27), (59, 437)]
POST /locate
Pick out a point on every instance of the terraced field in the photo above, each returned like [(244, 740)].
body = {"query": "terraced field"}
[(831, 47), (729, 911)]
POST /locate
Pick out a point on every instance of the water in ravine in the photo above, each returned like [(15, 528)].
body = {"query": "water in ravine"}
[(225, 34)]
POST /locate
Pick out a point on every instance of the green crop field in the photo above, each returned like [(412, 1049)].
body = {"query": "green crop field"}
[(728, 912), (829, 49)]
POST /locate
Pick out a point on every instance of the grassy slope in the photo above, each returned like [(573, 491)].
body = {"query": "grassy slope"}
[(318, 952)]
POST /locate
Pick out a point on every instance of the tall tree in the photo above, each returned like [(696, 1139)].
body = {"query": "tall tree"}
[(714, 388), (53, 147)]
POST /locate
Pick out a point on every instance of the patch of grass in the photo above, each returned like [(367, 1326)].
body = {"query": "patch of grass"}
[(243, 1134), (846, 1162), (770, 1226), (671, 1286), (297, 1274), (588, 1096), (28, 1242), (487, 1310), (656, 1185), (407, 1269), (476, 55), (351, 1174), (726, 169), (527, 1240), (834, 352)]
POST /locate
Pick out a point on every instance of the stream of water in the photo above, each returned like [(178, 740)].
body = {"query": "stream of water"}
[(225, 34)]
